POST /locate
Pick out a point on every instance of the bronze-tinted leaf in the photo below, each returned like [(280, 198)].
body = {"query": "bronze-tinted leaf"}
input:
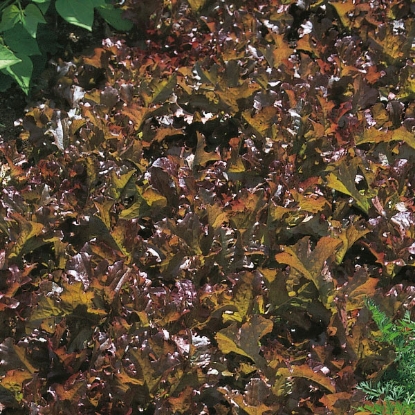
[(244, 341), (13, 381), (305, 371), (311, 263), (28, 230), (262, 121), (14, 357), (202, 157), (345, 178), (343, 9), (353, 232), (161, 90), (137, 115), (278, 52), (360, 287)]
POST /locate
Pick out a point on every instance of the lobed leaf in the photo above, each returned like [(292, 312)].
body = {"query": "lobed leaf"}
[(305, 371), (311, 263), (344, 180), (244, 341)]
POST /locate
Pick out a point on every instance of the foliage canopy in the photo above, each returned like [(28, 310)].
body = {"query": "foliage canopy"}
[(193, 218)]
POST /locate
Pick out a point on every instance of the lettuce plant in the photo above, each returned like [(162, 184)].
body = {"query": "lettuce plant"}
[(199, 232)]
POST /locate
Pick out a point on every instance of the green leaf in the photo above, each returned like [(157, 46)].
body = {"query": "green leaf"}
[(402, 134), (373, 135), (207, 75), (73, 296), (407, 83), (119, 235), (227, 339), (104, 211), (224, 256), (7, 57), (216, 216), (153, 198), (22, 72), (136, 210), (114, 17), (10, 16), (19, 40), (78, 12), (190, 230), (231, 97), (32, 17), (6, 81), (43, 5), (13, 381)]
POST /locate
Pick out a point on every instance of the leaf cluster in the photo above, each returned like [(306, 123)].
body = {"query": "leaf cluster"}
[(27, 32), (193, 218)]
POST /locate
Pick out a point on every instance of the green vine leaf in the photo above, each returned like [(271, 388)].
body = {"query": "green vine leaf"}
[(32, 17), (114, 17), (21, 42), (21, 72), (7, 57), (78, 12), (9, 17)]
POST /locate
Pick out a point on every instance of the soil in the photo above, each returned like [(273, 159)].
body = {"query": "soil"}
[(12, 110)]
